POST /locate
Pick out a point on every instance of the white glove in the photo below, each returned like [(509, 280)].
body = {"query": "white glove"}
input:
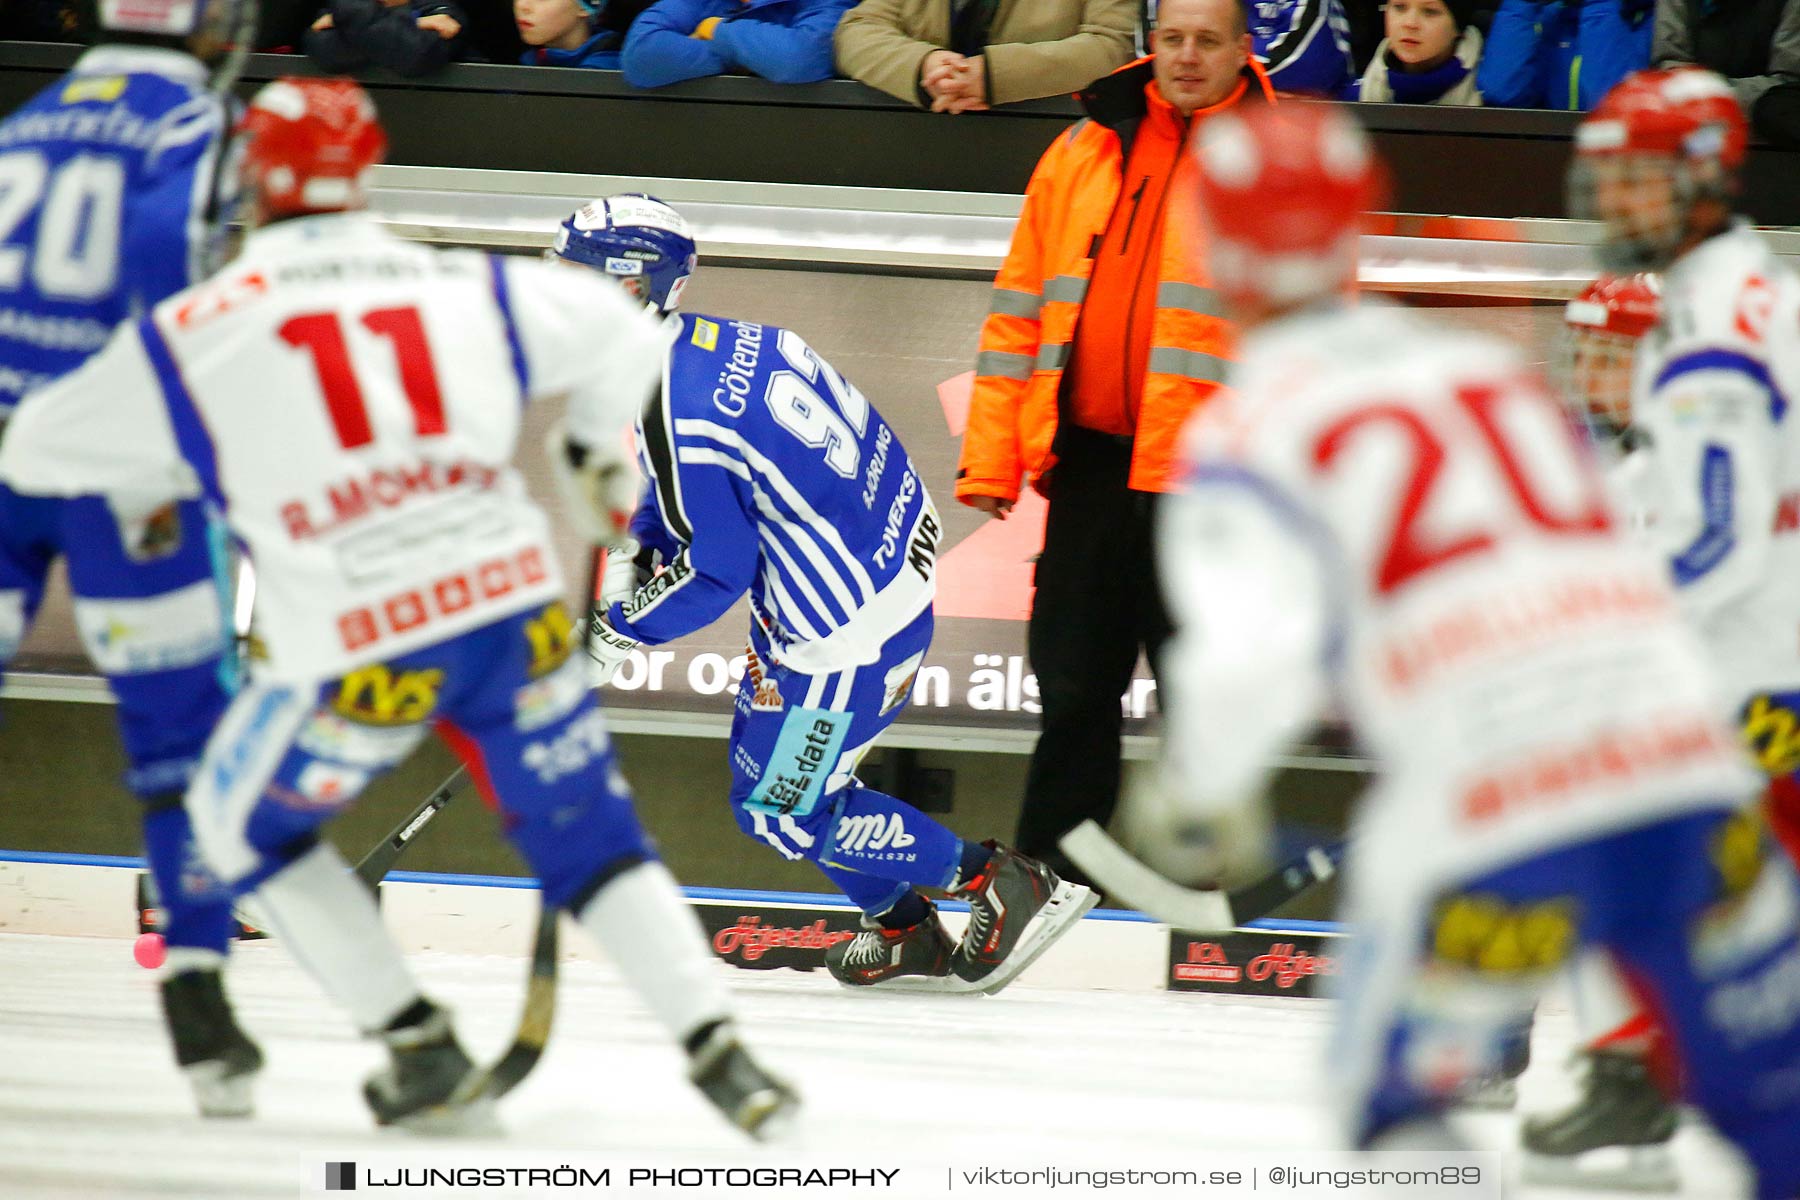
[(607, 649), (600, 485), (622, 577)]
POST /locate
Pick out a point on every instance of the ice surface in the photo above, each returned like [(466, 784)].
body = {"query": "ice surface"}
[(91, 1104)]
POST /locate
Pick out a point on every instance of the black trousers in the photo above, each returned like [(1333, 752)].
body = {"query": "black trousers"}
[(1098, 605)]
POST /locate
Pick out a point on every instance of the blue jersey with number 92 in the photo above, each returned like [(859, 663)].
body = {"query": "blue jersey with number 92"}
[(108, 204), (770, 473)]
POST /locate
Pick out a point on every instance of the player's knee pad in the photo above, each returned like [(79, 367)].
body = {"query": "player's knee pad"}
[(278, 766), (568, 809)]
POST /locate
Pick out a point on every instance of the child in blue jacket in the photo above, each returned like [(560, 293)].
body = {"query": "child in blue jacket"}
[(786, 41), (574, 33)]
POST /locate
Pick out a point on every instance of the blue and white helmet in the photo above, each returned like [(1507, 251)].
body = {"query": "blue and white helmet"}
[(639, 241)]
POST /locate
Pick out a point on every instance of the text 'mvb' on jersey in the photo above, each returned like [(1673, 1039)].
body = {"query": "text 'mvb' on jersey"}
[(771, 473), (107, 205), (352, 402), (1402, 515)]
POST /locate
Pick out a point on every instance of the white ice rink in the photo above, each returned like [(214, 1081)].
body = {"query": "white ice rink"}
[(91, 1106)]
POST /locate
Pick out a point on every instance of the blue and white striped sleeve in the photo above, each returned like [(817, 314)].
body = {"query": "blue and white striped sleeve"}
[(178, 209), (702, 494)]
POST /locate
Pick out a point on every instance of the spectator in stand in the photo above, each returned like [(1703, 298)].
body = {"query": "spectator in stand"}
[(1428, 56), (43, 21), (785, 41), (409, 37), (1562, 54), (1753, 43), (960, 56), (1303, 45), (575, 33)]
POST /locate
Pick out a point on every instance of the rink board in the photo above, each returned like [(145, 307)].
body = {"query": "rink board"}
[(93, 896)]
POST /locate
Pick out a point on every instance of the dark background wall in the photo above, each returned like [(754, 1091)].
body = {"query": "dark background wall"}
[(1476, 162)]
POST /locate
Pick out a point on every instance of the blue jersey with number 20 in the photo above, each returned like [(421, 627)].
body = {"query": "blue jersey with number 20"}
[(107, 205)]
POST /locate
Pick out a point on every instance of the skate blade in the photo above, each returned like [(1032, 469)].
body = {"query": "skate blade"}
[(220, 1095), (1066, 906), (769, 1115), (478, 1118), (1611, 1168), (942, 985)]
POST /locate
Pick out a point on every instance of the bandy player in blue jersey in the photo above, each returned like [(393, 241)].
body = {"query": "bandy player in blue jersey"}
[(769, 473), (113, 194)]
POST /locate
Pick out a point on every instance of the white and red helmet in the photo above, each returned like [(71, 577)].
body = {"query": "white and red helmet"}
[(1657, 142), (1284, 192), (1605, 323), (311, 143)]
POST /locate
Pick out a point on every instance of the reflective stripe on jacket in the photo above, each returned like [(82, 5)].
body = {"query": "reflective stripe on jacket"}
[(1040, 289)]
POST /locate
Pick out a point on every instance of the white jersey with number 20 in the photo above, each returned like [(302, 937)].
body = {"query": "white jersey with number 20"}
[(1400, 516), (351, 402)]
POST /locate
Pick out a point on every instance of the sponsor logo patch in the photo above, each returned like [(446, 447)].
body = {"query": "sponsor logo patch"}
[(569, 752), (353, 743), (329, 785), (102, 89), (164, 633), (705, 335), (552, 635), (807, 749), (548, 700), (1486, 934), (379, 695), (764, 695)]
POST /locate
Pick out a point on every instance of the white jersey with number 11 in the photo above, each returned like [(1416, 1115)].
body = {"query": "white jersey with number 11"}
[(351, 403)]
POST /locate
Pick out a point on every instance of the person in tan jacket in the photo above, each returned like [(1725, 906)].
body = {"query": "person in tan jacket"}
[(961, 56)]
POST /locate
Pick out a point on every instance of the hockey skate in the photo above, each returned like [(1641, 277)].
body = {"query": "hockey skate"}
[(418, 1089), (879, 957), (219, 1060), (1017, 910), (1615, 1136), (1498, 1091), (757, 1102)]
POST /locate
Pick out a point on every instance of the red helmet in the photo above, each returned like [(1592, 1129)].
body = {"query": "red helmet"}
[(1605, 323), (1683, 112), (1622, 305), (1284, 191), (311, 144), (1659, 143)]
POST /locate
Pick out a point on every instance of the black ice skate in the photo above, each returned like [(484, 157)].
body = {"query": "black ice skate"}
[(220, 1062), (879, 956), (1615, 1136), (750, 1098), (418, 1088), (1017, 908)]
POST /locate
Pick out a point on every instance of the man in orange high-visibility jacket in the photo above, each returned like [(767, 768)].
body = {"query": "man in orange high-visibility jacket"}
[(1103, 338)]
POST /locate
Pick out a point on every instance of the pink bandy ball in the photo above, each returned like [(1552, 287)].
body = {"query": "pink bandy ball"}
[(150, 950)]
